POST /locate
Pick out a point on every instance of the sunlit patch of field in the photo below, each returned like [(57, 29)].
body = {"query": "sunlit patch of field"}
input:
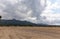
[(29, 33)]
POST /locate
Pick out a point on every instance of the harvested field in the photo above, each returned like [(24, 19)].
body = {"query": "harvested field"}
[(29, 33)]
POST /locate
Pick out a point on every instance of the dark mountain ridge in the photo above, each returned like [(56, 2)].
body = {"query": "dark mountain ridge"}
[(17, 23)]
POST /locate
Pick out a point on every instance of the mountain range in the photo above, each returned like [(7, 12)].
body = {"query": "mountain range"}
[(17, 23)]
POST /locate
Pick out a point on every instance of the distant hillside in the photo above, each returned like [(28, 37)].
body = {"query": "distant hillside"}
[(17, 23)]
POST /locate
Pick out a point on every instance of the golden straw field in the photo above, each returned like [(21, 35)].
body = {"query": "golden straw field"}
[(29, 32)]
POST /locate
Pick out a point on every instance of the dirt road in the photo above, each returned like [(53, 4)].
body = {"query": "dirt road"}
[(29, 33)]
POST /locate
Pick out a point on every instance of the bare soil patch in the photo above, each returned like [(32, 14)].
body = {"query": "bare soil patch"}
[(29, 32)]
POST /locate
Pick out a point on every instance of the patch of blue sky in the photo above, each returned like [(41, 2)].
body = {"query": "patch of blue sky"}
[(56, 11), (52, 1)]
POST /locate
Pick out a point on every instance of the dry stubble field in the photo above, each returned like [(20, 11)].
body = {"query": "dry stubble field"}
[(29, 32)]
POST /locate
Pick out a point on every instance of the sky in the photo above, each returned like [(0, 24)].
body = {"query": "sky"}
[(52, 12), (36, 11)]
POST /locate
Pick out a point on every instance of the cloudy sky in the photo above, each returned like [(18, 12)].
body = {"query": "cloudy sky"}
[(52, 12), (36, 11)]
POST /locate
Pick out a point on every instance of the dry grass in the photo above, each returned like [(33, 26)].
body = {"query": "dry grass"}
[(29, 33)]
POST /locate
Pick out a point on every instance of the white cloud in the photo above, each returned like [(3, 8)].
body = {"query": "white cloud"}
[(52, 17)]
